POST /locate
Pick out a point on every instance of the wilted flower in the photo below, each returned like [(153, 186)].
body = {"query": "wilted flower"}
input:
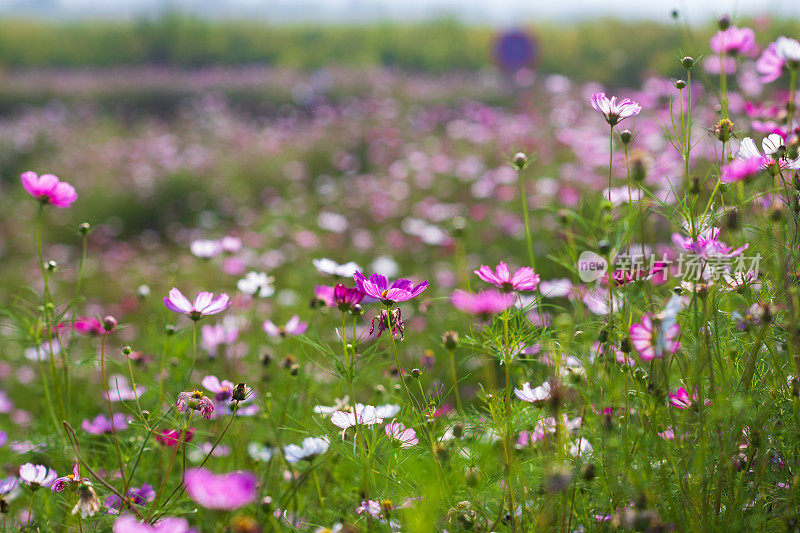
[(48, 189), (204, 304), (196, 401), (615, 111), (383, 323), (88, 502), (224, 492)]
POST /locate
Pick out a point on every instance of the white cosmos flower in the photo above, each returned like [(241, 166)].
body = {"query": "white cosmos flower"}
[(311, 447), (788, 49), (205, 248), (332, 268), (363, 415), (257, 284), (536, 395)]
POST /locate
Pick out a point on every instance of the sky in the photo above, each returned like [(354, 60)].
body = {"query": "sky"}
[(500, 12)]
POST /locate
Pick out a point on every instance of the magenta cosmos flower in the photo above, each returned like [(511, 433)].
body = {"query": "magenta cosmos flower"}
[(524, 279), (204, 304), (129, 524), (73, 478), (613, 110), (742, 169), (293, 327), (224, 492), (378, 287), (734, 40), (651, 340), (680, 399), (484, 304), (48, 189), (708, 245)]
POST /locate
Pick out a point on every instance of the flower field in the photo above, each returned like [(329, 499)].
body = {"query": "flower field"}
[(246, 298)]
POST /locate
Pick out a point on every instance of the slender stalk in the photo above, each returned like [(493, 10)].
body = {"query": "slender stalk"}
[(110, 410), (454, 376)]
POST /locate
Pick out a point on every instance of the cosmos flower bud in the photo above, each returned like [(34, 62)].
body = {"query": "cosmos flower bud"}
[(602, 336), (626, 136), (85, 228), (458, 430), (625, 345), (724, 22), (680, 84), (239, 393), (441, 452), (687, 62), (777, 213), (565, 216), (4, 507), (732, 219), (127, 351), (588, 472), (416, 372), (472, 476), (450, 339), (170, 329), (51, 266), (457, 226), (639, 164), (109, 323), (694, 185), (520, 160), (143, 291), (675, 14), (357, 310), (603, 246)]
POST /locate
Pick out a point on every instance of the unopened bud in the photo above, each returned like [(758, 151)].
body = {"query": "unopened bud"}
[(724, 22), (416, 372), (51, 266), (626, 136), (472, 476), (604, 247), (127, 351), (687, 62), (458, 430), (85, 228), (520, 160), (109, 323), (625, 345), (680, 84), (450, 339)]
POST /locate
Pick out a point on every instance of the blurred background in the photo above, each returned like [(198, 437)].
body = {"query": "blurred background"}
[(186, 119)]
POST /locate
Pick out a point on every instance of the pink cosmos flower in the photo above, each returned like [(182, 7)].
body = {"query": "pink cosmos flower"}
[(89, 326), (293, 327), (324, 293), (216, 335), (224, 492), (48, 189), (36, 476), (129, 524), (742, 169), (734, 40), (204, 304), (524, 279), (651, 340), (101, 424), (172, 437), (680, 399), (407, 437), (196, 401), (615, 111), (484, 304), (783, 52), (62, 482), (708, 245), (223, 389), (377, 287), (119, 390)]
